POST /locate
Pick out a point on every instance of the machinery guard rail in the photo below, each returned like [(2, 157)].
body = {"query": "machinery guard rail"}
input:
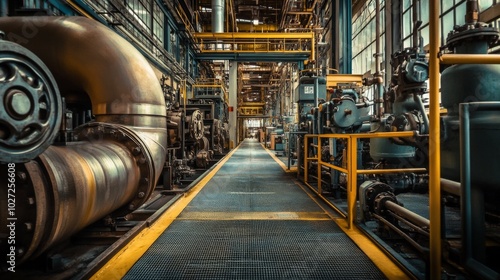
[(352, 164)]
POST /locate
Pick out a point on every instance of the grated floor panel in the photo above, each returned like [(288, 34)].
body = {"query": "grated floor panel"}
[(254, 250), (281, 248)]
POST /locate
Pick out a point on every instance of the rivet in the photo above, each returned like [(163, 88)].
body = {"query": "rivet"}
[(136, 151), (22, 176), (20, 251)]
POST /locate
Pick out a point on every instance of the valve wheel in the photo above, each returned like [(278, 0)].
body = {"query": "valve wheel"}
[(30, 104)]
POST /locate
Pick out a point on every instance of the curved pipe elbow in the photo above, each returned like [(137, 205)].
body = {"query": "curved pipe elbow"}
[(87, 57)]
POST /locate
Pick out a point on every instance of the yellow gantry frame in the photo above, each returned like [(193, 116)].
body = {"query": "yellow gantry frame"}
[(260, 42), (352, 170)]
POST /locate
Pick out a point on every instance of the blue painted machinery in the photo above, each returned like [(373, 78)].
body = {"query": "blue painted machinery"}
[(471, 131)]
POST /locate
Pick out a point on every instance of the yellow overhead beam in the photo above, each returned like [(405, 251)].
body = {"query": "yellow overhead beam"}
[(255, 35), (334, 79)]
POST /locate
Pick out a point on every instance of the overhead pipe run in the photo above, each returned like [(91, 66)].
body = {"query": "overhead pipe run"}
[(114, 166)]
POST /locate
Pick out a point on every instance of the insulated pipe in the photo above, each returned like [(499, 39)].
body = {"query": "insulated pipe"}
[(450, 186), (114, 166), (217, 16), (407, 214)]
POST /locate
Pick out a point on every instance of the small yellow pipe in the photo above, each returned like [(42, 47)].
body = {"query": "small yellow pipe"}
[(80, 10), (371, 135), (434, 145), (470, 59), (343, 170), (397, 170)]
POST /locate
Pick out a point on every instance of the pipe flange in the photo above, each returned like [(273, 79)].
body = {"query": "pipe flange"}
[(127, 137), (380, 200), (27, 225), (471, 32), (196, 127), (30, 104)]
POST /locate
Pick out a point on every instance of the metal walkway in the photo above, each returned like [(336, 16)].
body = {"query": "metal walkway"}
[(253, 221)]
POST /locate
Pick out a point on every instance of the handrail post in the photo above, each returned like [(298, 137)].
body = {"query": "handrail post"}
[(306, 140), (319, 164), (434, 145), (352, 181)]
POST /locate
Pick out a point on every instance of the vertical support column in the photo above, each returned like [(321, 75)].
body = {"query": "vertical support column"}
[(434, 145), (345, 43), (233, 102)]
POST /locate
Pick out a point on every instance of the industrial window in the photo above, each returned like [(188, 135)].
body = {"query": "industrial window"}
[(41, 4), (485, 4), (363, 42), (141, 11), (158, 22), (452, 13), (364, 35)]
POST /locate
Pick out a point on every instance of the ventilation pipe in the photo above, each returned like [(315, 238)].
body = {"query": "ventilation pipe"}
[(218, 16)]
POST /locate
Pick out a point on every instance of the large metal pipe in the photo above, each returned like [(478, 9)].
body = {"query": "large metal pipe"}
[(217, 16), (119, 157)]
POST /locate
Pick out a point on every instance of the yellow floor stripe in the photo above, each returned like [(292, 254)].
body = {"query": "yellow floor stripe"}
[(284, 166), (120, 263), (217, 216), (371, 250)]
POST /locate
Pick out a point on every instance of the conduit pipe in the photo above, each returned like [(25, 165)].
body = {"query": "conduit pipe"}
[(114, 166)]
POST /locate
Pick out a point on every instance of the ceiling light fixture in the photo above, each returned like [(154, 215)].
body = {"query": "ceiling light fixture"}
[(255, 21)]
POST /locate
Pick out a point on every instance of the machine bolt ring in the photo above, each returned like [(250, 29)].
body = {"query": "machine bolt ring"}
[(139, 151), (30, 104)]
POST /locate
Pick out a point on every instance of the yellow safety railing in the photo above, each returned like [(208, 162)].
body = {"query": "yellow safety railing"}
[(244, 42), (352, 163), (207, 86)]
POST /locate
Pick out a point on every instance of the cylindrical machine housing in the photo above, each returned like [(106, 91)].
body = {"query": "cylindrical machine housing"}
[(471, 83)]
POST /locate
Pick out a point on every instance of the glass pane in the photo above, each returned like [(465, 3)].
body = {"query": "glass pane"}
[(407, 23), (424, 33), (382, 38), (372, 31), (446, 4), (406, 43), (406, 4), (485, 4), (460, 14), (424, 11), (382, 20), (447, 24)]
